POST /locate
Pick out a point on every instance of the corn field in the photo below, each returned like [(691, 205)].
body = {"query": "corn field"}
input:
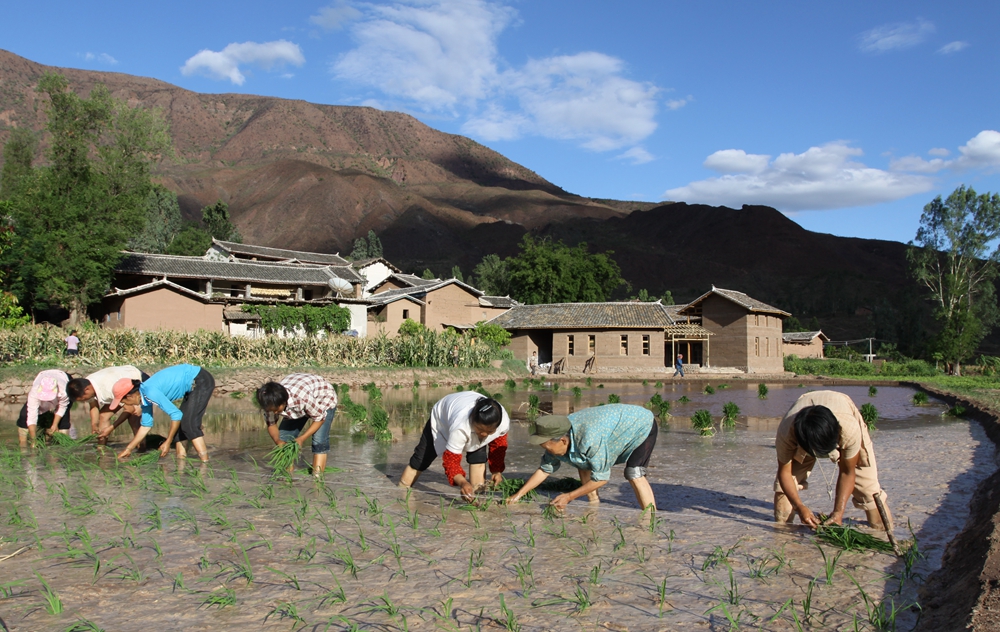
[(98, 347)]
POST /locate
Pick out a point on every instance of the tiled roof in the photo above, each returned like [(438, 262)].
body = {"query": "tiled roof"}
[(504, 302), (237, 270), (750, 304), (687, 330), (237, 313), (585, 316), (381, 298), (360, 263), (139, 289), (803, 336), (281, 253)]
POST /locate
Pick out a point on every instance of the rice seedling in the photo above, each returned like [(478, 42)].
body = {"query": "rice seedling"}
[(661, 596), (286, 610), (956, 411), (729, 413), (289, 578), (525, 575), (577, 391), (709, 389), (766, 565), (155, 518), (334, 595), (596, 573), (533, 402), (53, 604), (872, 391), (349, 626), (702, 420), (640, 554), (459, 388), (221, 598), (807, 612), (683, 399), (144, 459), (600, 386), (84, 625), (614, 399), (184, 516), (829, 563), (510, 384), (347, 559), (732, 615), (242, 569), (851, 539), (920, 398), (880, 614), (7, 588), (589, 382), (870, 414), (508, 619), (283, 458)]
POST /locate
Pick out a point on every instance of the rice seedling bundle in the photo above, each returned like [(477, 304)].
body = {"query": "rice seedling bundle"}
[(510, 486), (660, 406), (762, 391), (709, 389), (956, 411), (851, 539), (919, 398), (702, 420), (613, 398), (283, 457), (153, 456), (870, 414), (729, 413), (64, 440)]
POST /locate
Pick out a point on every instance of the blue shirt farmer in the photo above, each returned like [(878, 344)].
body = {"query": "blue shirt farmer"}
[(163, 388), (600, 437)]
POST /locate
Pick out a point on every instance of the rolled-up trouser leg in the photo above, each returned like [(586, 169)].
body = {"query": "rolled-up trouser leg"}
[(321, 438), (635, 465), (193, 407)]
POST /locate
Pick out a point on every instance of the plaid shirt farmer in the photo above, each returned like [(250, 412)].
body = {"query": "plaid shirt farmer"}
[(308, 396)]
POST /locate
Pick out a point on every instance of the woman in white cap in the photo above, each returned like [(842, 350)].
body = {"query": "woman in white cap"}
[(47, 394)]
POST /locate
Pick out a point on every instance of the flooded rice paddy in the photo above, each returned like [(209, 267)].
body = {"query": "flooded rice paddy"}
[(225, 546)]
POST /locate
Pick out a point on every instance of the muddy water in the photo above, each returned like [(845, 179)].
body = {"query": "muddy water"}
[(360, 551)]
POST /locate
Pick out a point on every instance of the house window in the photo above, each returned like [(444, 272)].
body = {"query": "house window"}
[(756, 346), (624, 347), (406, 314), (767, 344), (645, 345), (756, 320), (591, 344), (569, 345)]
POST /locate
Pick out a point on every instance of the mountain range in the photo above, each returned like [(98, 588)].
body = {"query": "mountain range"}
[(314, 177)]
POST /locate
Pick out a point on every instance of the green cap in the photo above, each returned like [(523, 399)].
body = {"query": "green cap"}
[(549, 427)]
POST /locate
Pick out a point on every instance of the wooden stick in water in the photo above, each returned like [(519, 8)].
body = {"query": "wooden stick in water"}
[(887, 523)]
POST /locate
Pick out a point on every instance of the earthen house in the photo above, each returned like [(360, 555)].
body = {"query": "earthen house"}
[(435, 303), (804, 344), (747, 333)]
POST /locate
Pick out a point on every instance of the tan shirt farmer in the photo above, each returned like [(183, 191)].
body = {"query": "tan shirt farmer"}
[(854, 455)]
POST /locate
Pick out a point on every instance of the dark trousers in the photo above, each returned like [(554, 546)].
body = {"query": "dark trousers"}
[(193, 407), (44, 419), (640, 456), (424, 454)]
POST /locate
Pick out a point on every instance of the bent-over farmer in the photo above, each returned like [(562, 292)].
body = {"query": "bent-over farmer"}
[(462, 423), (825, 424), (296, 400), (592, 440), (47, 395), (96, 391)]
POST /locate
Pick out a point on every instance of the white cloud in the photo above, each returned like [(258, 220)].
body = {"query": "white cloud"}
[(825, 177), (104, 58), (225, 64), (676, 104), (982, 151), (441, 56), (895, 36), (953, 47), (917, 164), (939, 151), (335, 16), (737, 161), (637, 156)]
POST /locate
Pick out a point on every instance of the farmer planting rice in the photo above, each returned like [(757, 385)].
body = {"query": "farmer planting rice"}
[(192, 384), (96, 389), (825, 424), (47, 395), (593, 440), (294, 402), (462, 423)]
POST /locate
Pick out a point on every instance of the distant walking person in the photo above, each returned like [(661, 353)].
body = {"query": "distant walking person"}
[(679, 365), (72, 344), (533, 363)]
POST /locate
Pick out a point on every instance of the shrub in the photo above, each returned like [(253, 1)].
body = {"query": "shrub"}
[(309, 318), (493, 335), (410, 327)]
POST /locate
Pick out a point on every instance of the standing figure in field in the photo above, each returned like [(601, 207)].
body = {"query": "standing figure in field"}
[(679, 365), (47, 395), (593, 440), (533, 363), (300, 399), (825, 424), (96, 391), (462, 423), (72, 344), (192, 384)]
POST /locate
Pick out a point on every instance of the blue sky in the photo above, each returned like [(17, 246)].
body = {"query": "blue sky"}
[(848, 116)]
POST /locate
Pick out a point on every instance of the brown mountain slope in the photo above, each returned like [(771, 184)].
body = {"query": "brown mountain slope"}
[(339, 170)]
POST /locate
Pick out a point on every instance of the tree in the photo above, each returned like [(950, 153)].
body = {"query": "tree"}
[(547, 272), (18, 154), (668, 298), (456, 273), (955, 259), (492, 276), (77, 213), (163, 222), (218, 224), (191, 241), (427, 274), (491, 334), (11, 314), (369, 247)]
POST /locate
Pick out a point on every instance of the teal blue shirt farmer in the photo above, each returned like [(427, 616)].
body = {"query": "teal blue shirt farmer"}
[(163, 388), (593, 440)]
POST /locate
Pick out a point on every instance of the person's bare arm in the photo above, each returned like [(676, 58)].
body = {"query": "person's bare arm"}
[(313, 428), (275, 435), (534, 481), (468, 491), (791, 490), (95, 416), (846, 475), (139, 436), (174, 427), (560, 501)]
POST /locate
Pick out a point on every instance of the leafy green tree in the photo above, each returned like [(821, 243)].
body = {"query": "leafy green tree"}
[(163, 222), (668, 298), (217, 221), (18, 154), (547, 272), (79, 211), (491, 334), (456, 273), (191, 241), (410, 327), (792, 324), (427, 274), (492, 276), (11, 314), (954, 256), (369, 247)]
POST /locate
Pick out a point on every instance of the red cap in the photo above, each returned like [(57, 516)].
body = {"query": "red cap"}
[(121, 388)]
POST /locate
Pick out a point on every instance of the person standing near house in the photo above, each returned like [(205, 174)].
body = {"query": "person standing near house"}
[(679, 365), (533, 363), (292, 403), (72, 344), (47, 395), (593, 440), (825, 424), (97, 390), (462, 423), (192, 384)]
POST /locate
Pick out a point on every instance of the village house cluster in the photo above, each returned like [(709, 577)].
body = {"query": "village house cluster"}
[(722, 329)]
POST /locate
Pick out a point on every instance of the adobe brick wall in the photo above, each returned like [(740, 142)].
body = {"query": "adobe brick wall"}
[(166, 309), (812, 349), (455, 305), (729, 345), (764, 344)]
